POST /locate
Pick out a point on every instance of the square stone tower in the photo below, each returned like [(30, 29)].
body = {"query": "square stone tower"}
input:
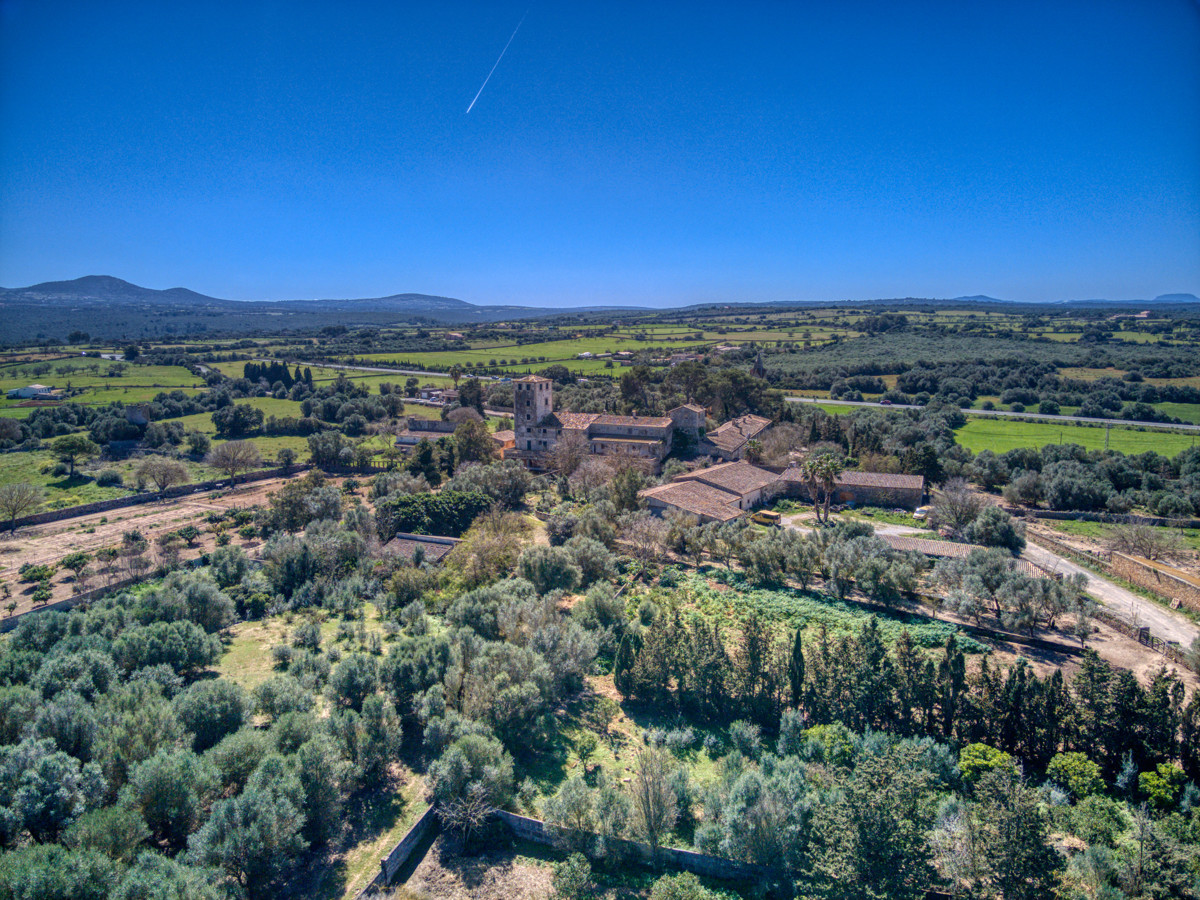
[(533, 400)]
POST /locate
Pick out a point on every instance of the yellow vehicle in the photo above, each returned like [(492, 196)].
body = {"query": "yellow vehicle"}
[(765, 517)]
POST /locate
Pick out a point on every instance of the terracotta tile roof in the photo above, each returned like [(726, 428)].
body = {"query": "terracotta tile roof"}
[(693, 407), (578, 421), (739, 477), (640, 421), (699, 499), (504, 436), (950, 549), (929, 547), (882, 480), (734, 433), (531, 379), (864, 479)]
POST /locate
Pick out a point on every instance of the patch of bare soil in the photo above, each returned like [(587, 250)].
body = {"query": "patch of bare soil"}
[(49, 543), (496, 874)]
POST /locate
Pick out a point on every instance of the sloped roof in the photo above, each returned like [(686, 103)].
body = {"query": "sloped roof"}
[(504, 436), (950, 549), (929, 547), (736, 432), (697, 498), (531, 379), (570, 420), (864, 479), (642, 421), (881, 480), (739, 477)]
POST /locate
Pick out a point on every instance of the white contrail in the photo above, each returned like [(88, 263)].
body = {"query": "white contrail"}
[(498, 58)]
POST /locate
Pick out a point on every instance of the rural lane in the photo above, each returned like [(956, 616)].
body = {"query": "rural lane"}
[(1163, 623)]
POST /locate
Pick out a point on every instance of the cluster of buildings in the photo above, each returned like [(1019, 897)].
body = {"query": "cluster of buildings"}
[(717, 493), (417, 429), (33, 392), (538, 429), (729, 490)]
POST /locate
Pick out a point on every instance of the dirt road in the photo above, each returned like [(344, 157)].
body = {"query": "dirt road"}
[(1163, 623), (1134, 608)]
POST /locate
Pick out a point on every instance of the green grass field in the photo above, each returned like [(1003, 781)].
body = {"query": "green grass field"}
[(1189, 412), (90, 382), (1000, 436), (59, 491)]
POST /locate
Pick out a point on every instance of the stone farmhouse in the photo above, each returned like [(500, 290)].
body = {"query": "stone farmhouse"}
[(538, 428), (729, 441), (729, 490)]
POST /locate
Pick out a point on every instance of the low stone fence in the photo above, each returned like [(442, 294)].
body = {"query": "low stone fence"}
[(392, 863), (1064, 549), (11, 622), (1178, 588), (1022, 512), (87, 509), (535, 831)]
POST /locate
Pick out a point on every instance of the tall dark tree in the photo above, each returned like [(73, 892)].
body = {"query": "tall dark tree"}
[(796, 671), (1023, 865)]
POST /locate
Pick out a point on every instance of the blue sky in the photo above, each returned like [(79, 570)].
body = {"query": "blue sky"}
[(626, 153)]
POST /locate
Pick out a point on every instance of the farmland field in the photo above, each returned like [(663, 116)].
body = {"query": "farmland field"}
[(1001, 435)]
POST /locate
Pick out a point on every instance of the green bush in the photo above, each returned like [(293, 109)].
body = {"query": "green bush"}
[(448, 513), (30, 572), (1075, 773), (976, 760), (572, 878), (1161, 787)]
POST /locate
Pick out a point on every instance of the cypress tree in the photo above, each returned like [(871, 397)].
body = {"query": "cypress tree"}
[(796, 671), (623, 666)]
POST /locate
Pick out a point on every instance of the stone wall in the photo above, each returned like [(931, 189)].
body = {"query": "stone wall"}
[(87, 509), (1158, 579), (535, 831), (392, 863)]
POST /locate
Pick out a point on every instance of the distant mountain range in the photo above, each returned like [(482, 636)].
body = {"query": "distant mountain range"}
[(107, 307), (104, 289), (1160, 300)]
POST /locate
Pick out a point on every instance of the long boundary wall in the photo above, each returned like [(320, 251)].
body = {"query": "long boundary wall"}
[(1158, 579), (183, 490), (535, 831)]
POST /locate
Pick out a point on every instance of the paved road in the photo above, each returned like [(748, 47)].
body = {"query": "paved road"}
[(1162, 622), (328, 365), (1005, 414)]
